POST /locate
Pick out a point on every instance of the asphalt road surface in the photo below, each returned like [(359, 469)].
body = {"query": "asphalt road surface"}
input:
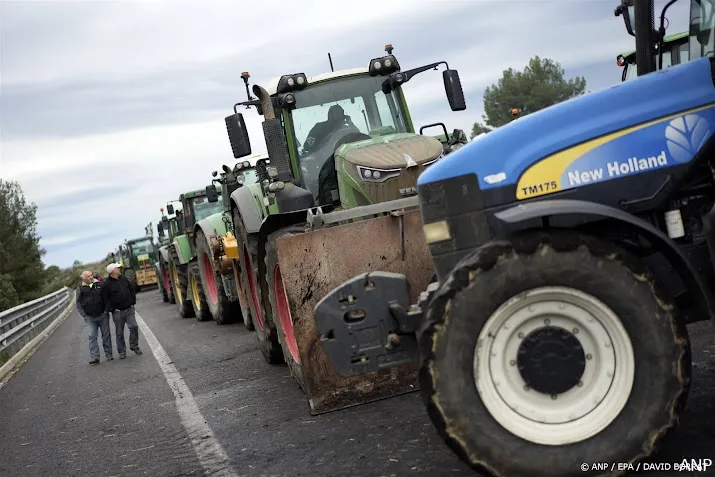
[(238, 416)]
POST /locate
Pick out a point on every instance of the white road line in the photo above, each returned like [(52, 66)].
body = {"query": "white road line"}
[(211, 455)]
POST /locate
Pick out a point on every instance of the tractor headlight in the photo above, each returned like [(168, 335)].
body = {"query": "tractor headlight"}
[(288, 83), (369, 174), (383, 66)]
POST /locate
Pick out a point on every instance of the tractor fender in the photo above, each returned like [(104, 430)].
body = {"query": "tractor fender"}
[(512, 217), (272, 223), (211, 226), (182, 248), (164, 252), (242, 199)]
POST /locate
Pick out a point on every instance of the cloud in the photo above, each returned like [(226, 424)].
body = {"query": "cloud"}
[(110, 109)]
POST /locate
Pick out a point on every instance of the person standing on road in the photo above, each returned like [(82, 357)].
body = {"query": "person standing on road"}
[(120, 298), (91, 305)]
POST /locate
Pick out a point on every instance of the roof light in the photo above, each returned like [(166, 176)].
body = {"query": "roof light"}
[(383, 66), (620, 61)]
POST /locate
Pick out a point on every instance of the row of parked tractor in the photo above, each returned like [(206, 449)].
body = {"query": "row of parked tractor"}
[(538, 280)]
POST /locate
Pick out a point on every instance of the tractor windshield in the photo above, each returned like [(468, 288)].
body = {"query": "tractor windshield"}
[(332, 113), (702, 28), (141, 247), (203, 208)]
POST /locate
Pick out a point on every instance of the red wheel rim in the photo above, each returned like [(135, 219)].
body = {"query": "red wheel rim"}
[(284, 313), (165, 274), (252, 288), (210, 284)]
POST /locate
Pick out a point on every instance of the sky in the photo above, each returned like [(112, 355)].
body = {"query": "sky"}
[(110, 109)]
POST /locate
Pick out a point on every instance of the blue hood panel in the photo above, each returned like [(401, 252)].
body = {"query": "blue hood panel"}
[(654, 121)]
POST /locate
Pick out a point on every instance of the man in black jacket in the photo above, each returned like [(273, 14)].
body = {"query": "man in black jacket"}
[(90, 304), (120, 298)]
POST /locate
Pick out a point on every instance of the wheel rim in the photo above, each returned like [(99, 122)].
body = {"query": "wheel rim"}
[(252, 288), (284, 313), (239, 284), (210, 284), (537, 340), (165, 276), (195, 292), (177, 288)]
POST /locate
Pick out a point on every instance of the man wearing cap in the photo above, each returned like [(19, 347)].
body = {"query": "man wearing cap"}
[(90, 304), (120, 298)]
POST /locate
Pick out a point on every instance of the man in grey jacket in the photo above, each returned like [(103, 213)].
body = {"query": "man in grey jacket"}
[(91, 305)]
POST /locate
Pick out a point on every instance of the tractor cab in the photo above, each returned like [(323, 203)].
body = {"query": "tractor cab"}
[(666, 50), (142, 253), (675, 51), (345, 138), (195, 207), (243, 173)]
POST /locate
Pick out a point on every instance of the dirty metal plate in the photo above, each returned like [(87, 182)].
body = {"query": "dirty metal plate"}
[(314, 263), (355, 321)]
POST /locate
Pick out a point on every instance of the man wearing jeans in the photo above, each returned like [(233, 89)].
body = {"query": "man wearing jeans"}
[(90, 304), (120, 298)]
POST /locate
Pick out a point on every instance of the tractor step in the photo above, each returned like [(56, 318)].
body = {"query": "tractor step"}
[(367, 324)]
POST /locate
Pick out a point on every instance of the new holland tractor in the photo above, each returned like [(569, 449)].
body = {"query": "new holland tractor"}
[(137, 257), (216, 245), (572, 248), (676, 50), (167, 229), (184, 252), (335, 198)]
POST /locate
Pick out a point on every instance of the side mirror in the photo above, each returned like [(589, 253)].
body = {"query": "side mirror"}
[(459, 136), (626, 10), (453, 88), (170, 209), (160, 229), (211, 193), (238, 135)]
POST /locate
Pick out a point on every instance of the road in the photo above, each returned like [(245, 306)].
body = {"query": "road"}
[(61, 417)]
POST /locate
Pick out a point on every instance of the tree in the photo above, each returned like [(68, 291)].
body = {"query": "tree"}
[(20, 251), (479, 128), (8, 295), (540, 85)]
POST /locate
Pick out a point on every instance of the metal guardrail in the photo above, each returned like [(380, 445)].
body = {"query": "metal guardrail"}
[(19, 325)]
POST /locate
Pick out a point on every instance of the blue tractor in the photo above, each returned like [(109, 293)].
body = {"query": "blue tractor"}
[(572, 247)]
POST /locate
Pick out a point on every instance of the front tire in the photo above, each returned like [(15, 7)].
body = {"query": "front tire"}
[(266, 331), (180, 284), (198, 298), (279, 306), (623, 359), (222, 310)]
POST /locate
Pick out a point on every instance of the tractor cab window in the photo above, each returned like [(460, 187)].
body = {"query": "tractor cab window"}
[(702, 28), (141, 247), (684, 53), (631, 71), (203, 208), (338, 112)]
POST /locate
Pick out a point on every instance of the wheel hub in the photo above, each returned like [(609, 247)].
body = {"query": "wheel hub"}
[(554, 365), (551, 360)]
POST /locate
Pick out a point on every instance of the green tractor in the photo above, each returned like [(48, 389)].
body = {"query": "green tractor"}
[(167, 229), (184, 269), (675, 51), (137, 257), (216, 245), (336, 197)]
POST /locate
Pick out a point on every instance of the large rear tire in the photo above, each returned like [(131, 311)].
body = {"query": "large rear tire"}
[(198, 298), (551, 351), (180, 284), (279, 306), (266, 331), (168, 282), (162, 284), (222, 309)]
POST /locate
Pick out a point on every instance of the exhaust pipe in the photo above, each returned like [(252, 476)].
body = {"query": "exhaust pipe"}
[(266, 103)]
